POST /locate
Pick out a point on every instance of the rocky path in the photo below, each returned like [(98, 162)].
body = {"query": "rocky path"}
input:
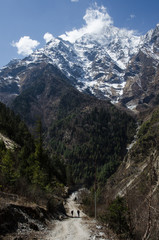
[(76, 228)]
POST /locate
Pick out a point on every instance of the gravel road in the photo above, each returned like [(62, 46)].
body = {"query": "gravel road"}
[(76, 228)]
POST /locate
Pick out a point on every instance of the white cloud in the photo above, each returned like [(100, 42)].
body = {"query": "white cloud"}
[(74, 0), (96, 19), (132, 16), (25, 45), (48, 37)]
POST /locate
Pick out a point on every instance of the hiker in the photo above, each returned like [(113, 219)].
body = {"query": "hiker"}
[(72, 213), (78, 212)]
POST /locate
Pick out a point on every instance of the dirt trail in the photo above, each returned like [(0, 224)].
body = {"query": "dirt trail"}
[(76, 228)]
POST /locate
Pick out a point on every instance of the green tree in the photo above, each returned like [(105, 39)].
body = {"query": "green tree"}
[(8, 169), (117, 216)]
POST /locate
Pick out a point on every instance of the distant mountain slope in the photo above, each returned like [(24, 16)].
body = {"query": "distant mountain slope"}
[(117, 65), (93, 138), (43, 87), (142, 77), (78, 127)]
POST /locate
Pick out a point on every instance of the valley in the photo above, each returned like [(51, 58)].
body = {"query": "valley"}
[(69, 114), (80, 228)]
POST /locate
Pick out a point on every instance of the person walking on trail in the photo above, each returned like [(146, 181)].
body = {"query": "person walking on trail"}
[(72, 213), (78, 212)]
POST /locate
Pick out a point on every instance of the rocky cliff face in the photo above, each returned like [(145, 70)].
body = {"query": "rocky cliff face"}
[(137, 181), (141, 89)]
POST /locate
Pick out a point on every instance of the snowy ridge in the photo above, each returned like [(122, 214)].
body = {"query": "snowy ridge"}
[(97, 62), (94, 62)]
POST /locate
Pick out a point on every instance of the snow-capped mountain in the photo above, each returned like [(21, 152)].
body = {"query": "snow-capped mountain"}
[(142, 74), (94, 63), (106, 65)]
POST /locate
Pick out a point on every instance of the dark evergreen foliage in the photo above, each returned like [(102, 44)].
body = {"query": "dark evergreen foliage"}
[(79, 128), (116, 217), (88, 138), (12, 126), (28, 162)]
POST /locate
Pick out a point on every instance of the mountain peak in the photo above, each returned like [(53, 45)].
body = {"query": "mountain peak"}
[(95, 63)]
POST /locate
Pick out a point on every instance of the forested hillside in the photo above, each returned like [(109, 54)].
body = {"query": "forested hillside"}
[(81, 129), (94, 139), (27, 167), (82, 111), (134, 188), (77, 138)]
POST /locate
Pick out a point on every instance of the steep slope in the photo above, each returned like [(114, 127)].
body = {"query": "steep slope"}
[(91, 64), (94, 136), (75, 125), (137, 181), (142, 75), (115, 65), (23, 161), (23, 199), (41, 90)]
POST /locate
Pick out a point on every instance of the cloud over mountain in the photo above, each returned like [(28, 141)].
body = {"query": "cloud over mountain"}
[(96, 19), (48, 37), (97, 22), (25, 45)]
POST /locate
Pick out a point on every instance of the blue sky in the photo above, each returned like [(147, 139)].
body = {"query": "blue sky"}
[(26, 22)]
